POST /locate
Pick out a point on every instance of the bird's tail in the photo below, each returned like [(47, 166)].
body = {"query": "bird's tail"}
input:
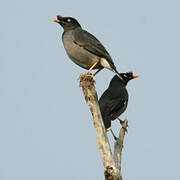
[(118, 74)]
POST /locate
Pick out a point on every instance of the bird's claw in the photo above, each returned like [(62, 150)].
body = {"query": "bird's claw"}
[(88, 73), (125, 129), (124, 126)]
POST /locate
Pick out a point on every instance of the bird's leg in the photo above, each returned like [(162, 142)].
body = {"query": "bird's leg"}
[(121, 122), (115, 138), (98, 71), (92, 67)]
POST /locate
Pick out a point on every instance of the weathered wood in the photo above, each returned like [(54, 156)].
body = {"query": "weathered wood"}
[(112, 168), (118, 146)]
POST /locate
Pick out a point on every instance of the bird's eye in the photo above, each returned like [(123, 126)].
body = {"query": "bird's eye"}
[(68, 20)]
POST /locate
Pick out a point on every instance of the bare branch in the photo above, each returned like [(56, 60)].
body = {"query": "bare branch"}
[(112, 165), (118, 145)]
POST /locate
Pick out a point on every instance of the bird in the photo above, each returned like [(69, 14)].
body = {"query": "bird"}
[(83, 48), (114, 100)]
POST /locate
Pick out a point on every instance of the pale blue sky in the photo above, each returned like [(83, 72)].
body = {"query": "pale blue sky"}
[(46, 129)]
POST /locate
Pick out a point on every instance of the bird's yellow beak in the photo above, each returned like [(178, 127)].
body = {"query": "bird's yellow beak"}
[(135, 76), (56, 20)]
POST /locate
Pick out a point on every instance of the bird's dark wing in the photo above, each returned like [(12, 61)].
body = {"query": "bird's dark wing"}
[(111, 110), (113, 106), (116, 108), (91, 44)]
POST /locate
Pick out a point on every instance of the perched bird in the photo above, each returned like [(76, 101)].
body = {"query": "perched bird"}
[(114, 100), (83, 48)]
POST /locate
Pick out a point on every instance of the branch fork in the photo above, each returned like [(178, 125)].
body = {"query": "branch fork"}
[(112, 164)]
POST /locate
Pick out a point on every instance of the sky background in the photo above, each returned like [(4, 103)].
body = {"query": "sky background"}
[(46, 129)]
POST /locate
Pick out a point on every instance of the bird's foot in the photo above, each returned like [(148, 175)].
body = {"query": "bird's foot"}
[(124, 124), (86, 80), (121, 121), (88, 73)]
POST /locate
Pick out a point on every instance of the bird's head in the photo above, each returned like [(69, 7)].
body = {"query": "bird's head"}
[(125, 76), (67, 23)]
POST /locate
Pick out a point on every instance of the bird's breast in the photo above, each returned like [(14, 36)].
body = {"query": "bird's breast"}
[(76, 53)]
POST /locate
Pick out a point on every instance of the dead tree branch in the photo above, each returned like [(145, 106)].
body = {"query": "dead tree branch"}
[(118, 145), (112, 165)]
